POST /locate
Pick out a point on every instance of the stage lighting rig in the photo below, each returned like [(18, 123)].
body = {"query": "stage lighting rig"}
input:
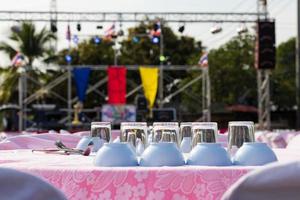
[(216, 29), (181, 29), (78, 27), (53, 26), (97, 40)]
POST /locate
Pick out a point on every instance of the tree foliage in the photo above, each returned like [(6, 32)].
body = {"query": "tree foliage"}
[(28, 41), (232, 75), (283, 79)]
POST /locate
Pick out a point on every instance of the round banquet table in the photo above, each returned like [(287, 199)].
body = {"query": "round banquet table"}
[(76, 176)]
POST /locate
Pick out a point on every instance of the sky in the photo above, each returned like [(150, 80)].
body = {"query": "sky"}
[(284, 12)]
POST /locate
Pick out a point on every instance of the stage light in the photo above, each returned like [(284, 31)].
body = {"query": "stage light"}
[(135, 39), (155, 40), (16, 29), (68, 58), (162, 58), (53, 27), (78, 27), (181, 29), (120, 32), (216, 29), (75, 39), (242, 29), (97, 40)]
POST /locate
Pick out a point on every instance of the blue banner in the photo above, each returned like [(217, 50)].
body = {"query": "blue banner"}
[(81, 76)]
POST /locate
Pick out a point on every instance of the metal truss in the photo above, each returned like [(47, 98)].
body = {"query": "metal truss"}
[(264, 115), (25, 100), (189, 17)]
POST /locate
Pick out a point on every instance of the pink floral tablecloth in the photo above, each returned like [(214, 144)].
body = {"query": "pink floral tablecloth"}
[(76, 176)]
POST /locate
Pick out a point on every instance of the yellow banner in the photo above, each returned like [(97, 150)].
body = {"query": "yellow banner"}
[(150, 82)]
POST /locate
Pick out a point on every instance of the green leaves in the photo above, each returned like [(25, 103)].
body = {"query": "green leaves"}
[(30, 42)]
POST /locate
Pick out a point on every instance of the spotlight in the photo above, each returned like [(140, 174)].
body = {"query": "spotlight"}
[(162, 58), (216, 29), (155, 40), (75, 39), (135, 39), (16, 29), (68, 58), (120, 32), (78, 27), (53, 27), (114, 36), (242, 29), (181, 29), (97, 40)]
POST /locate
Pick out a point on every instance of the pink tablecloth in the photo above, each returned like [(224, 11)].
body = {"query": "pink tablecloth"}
[(77, 177)]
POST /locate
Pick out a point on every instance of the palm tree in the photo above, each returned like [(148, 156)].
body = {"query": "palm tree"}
[(29, 42), (32, 44)]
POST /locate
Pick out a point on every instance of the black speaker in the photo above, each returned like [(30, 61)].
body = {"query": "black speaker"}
[(141, 103), (265, 45)]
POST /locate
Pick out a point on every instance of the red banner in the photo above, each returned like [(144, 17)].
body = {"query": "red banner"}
[(116, 85)]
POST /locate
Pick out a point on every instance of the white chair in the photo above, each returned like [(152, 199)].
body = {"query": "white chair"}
[(16, 185), (276, 181)]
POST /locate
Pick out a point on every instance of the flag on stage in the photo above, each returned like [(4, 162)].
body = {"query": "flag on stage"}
[(81, 76), (203, 62), (68, 33), (110, 31), (116, 86), (155, 32), (149, 78)]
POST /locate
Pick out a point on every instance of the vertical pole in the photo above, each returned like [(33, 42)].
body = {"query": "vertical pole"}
[(267, 105), (69, 94), (161, 70), (115, 53), (298, 66), (208, 95), (24, 80), (203, 95), (260, 102), (21, 102)]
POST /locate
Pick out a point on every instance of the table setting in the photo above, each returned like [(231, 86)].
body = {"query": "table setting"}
[(164, 161)]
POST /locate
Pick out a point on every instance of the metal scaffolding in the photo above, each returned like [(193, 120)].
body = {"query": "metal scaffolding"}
[(263, 83), (189, 17), (263, 80), (26, 100)]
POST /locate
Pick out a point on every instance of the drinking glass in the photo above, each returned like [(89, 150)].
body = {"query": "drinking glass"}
[(185, 129), (101, 130), (166, 132), (240, 132), (133, 131), (204, 132)]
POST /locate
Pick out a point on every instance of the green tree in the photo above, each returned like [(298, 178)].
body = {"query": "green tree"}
[(28, 41), (33, 45), (138, 49), (232, 74), (283, 77)]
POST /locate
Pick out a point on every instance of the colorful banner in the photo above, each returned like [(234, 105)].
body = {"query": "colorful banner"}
[(116, 84), (118, 113), (81, 76), (149, 78)]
